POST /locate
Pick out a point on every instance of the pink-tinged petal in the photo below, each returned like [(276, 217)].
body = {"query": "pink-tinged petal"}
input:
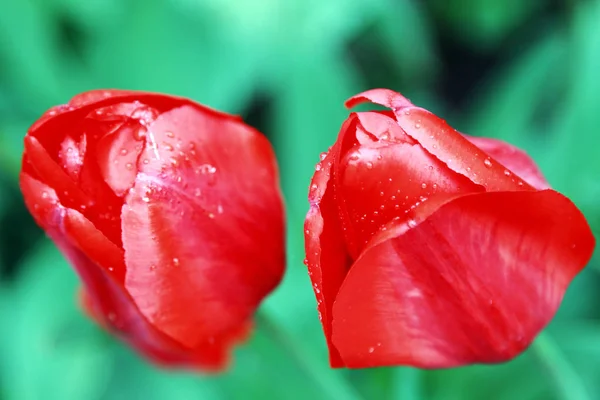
[(213, 181), (94, 96), (473, 283), (384, 97), (514, 159), (326, 255), (444, 142), (386, 177)]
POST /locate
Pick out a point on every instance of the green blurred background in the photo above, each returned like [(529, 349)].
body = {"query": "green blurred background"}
[(526, 71)]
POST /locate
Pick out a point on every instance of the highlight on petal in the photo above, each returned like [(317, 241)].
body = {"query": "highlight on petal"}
[(474, 283)]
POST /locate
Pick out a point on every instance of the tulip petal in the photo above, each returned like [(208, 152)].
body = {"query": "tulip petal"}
[(212, 181), (389, 178), (444, 142), (474, 283), (94, 96), (514, 159), (326, 257), (104, 294)]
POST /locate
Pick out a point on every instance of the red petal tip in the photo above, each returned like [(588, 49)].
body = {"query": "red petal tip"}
[(384, 97)]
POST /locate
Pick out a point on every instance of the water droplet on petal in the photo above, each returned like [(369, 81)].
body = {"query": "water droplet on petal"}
[(369, 165), (411, 223), (170, 134), (323, 155), (487, 163), (123, 152), (371, 349), (507, 172), (318, 167), (175, 261), (423, 185)]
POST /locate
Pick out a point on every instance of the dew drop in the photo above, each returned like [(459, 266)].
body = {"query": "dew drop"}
[(417, 126), (197, 192), (152, 267), (371, 349), (323, 155), (520, 183), (487, 163), (168, 147), (305, 261), (220, 209), (354, 157), (507, 172), (369, 165), (170, 134), (411, 223), (145, 161), (175, 261), (211, 215), (313, 186), (423, 185), (129, 166), (123, 152), (318, 167)]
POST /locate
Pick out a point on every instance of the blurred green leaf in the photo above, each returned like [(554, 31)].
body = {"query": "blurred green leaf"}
[(565, 378), (576, 147), (54, 352)]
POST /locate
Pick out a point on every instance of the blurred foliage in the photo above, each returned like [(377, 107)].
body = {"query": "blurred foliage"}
[(523, 71)]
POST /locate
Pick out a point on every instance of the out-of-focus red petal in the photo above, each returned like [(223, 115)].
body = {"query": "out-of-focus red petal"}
[(387, 178), (326, 256), (474, 282), (41, 200), (89, 240), (212, 181), (513, 158), (444, 142)]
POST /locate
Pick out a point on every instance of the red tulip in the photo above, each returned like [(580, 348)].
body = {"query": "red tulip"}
[(433, 249), (170, 213)]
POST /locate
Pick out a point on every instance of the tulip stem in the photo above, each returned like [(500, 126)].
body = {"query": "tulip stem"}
[(322, 377), (566, 379)]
